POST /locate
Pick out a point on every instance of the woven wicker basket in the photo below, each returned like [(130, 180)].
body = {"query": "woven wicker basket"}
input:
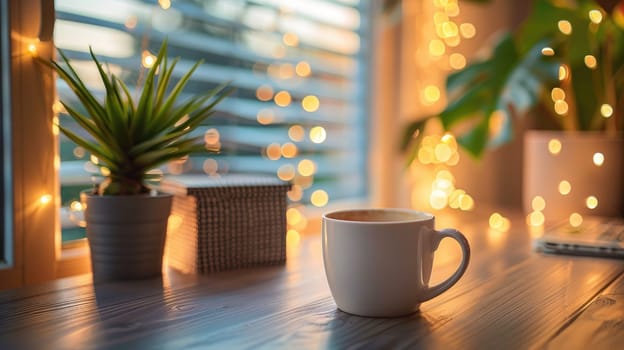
[(226, 223)]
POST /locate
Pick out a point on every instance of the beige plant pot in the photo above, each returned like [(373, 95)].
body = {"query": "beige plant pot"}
[(573, 172)]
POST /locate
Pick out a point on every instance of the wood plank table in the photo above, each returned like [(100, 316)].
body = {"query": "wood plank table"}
[(510, 298)]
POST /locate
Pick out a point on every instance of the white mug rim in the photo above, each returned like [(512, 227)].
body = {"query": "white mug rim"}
[(419, 216)]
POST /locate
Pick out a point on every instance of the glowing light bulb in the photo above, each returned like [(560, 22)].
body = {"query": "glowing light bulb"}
[(606, 110), (565, 27), (565, 187), (306, 167), (595, 16), (535, 219), (554, 146), (296, 133), (45, 199), (538, 203), (286, 172), (303, 69), (561, 107), (590, 61), (563, 72), (290, 39), (437, 47), (557, 94), (282, 98), (32, 49), (264, 93), (289, 150), (318, 134), (576, 220), (457, 61), (431, 93), (319, 198), (548, 51), (273, 151), (598, 159), (310, 103), (164, 4), (591, 202), (467, 30)]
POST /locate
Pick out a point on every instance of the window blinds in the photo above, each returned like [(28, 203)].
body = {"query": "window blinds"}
[(300, 69)]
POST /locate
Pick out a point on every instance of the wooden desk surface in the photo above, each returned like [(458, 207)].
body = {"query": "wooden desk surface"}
[(510, 298)]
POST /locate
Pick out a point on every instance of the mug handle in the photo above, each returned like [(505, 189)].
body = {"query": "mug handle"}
[(433, 292)]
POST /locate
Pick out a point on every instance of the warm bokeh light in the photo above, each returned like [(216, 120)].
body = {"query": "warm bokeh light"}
[(449, 29), (499, 222), (32, 49), (318, 134), (296, 133), (148, 59), (286, 172), (565, 27), (554, 146), (591, 202), (437, 47), (45, 199), (290, 39), (431, 93), (557, 94), (466, 202), (536, 218), (75, 206), (595, 16), (292, 237), (457, 61), (468, 30), (606, 110), (282, 98), (442, 152), (210, 166), (561, 107), (94, 159), (564, 187), (105, 171), (548, 51), (212, 137), (590, 61), (319, 198), (293, 216), (264, 93), (285, 71), (598, 159), (289, 150), (538, 203), (576, 220), (303, 69), (438, 199), (310, 103), (306, 167), (265, 116), (296, 193), (164, 4), (273, 151), (563, 72)]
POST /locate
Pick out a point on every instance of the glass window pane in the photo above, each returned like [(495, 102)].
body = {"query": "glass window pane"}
[(299, 69)]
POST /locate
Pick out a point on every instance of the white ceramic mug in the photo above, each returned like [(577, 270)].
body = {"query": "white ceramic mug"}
[(378, 261)]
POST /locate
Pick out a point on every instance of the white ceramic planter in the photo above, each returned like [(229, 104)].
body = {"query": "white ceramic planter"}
[(574, 172)]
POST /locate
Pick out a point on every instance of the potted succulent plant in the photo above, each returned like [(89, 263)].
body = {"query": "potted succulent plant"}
[(126, 219), (564, 66)]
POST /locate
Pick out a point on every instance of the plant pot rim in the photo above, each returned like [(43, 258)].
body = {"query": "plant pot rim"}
[(89, 193)]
